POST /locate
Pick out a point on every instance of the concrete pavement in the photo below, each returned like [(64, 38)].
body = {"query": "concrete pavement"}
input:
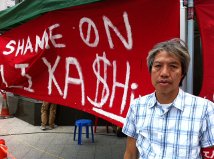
[(25, 141)]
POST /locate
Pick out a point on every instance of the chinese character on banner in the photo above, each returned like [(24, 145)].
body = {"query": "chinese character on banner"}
[(208, 153)]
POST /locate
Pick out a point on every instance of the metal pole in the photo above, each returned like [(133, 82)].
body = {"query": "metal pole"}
[(183, 29), (190, 42)]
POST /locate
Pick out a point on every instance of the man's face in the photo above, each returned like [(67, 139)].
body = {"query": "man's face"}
[(166, 73)]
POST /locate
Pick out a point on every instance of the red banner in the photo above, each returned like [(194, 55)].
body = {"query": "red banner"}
[(90, 57), (205, 19)]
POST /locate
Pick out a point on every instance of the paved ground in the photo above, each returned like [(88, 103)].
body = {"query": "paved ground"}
[(25, 141)]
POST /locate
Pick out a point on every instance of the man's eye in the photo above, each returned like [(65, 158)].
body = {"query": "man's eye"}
[(157, 66), (173, 66)]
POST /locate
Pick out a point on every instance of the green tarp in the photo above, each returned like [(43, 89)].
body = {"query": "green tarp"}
[(30, 9)]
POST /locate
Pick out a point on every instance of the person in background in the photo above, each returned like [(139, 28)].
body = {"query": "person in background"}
[(169, 123), (48, 114)]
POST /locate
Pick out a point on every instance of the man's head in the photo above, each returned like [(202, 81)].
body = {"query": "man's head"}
[(174, 47)]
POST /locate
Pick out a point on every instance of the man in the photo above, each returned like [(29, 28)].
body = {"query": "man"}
[(169, 123), (48, 114)]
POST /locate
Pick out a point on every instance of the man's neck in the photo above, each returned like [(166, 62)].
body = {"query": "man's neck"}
[(166, 98)]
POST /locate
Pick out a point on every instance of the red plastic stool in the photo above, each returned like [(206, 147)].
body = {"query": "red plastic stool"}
[(96, 123)]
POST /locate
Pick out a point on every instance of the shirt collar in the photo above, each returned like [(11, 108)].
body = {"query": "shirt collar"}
[(152, 101), (178, 102)]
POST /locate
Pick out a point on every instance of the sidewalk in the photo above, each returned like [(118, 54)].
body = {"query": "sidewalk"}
[(25, 141)]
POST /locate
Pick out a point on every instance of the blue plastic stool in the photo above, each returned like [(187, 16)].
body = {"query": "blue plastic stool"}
[(80, 123)]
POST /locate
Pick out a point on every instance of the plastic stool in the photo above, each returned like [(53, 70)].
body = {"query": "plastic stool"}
[(80, 123)]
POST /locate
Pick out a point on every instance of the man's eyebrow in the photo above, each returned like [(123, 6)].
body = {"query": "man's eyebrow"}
[(172, 62), (157, 61)]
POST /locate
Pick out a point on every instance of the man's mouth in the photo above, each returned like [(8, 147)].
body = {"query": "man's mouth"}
[(164, 82)]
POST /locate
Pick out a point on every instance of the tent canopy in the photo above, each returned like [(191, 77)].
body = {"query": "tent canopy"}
[(28, 9)]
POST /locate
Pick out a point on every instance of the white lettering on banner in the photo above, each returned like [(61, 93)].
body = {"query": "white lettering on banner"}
[(128, 45), (109, 115), (134, 86), (117, 84), (10, 47), (103, 80), (2, 75), (76, 81), (101, 84), (42, 43), (208, 155), (51, 75), (89, 34), (105, 75), (108, 24), (87, 38), (22, 48), (54, 37), (23, 73), (28, 46), (80, 81), (68, 79), (105, 91)]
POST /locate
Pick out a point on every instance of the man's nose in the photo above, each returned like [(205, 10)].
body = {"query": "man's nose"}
[(164, 71)]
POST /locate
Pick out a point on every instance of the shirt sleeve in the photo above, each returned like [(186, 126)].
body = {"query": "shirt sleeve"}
[(208, 127), (129, 127)]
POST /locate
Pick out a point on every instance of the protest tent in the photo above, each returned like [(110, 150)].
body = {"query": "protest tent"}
[(27, 10)]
